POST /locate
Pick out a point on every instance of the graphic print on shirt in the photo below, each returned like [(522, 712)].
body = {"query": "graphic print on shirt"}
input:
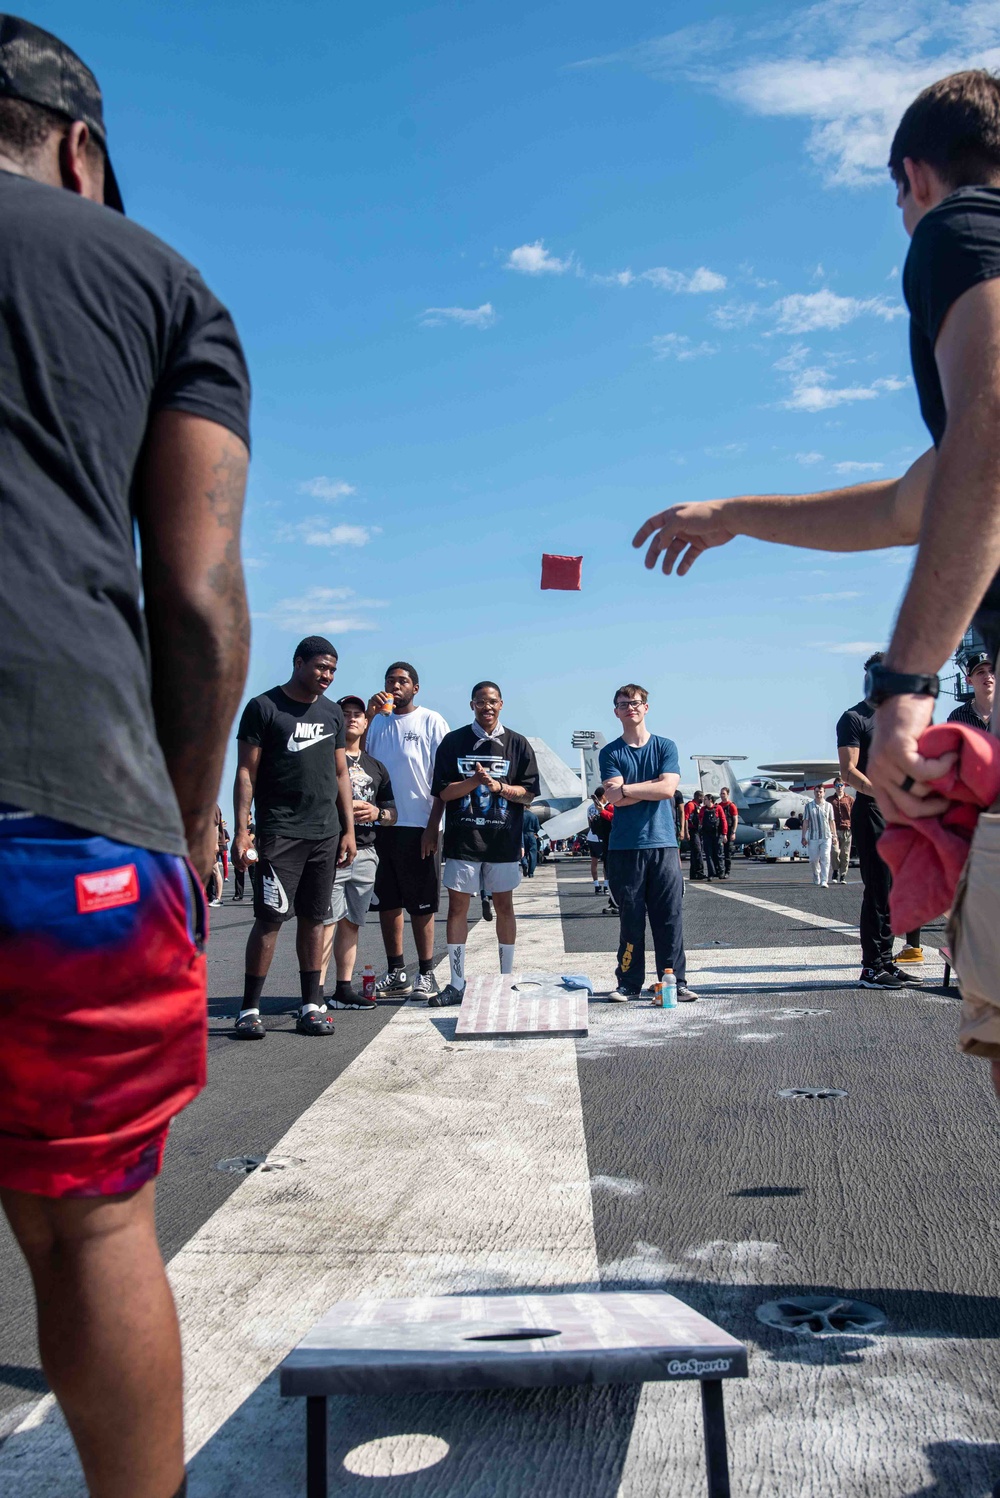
[(362, 784), (305, 735), (482, 808)]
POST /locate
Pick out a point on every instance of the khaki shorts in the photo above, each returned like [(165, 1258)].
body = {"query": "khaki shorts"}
[(974, 936)]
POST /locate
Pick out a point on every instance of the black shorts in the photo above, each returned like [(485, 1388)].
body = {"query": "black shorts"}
[(404, 880), (294, 876)]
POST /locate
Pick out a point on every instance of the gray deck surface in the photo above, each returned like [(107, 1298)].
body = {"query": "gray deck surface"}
[(704, 1183)]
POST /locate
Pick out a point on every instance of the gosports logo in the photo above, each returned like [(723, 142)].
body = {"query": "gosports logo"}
[(107, 889), (698, 1366), (305, 735)]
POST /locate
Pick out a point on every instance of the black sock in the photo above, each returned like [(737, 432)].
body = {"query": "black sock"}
[(343, 987), (312, 988), (396, 964), (252, 990), (182, 1490), (427, 965)]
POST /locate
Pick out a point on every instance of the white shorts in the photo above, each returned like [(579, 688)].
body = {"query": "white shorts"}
[(466, 877)]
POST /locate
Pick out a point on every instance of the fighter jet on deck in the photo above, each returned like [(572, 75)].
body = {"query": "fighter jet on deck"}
[(761, 801)]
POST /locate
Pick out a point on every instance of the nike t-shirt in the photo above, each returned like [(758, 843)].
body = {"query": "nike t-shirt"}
[(101, 327), (406, 743), (296, 790), (483, 827)]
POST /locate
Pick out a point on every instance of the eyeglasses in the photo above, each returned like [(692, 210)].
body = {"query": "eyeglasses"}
[(634, 705)]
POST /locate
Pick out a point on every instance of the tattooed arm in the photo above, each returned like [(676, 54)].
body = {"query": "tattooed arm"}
[(189, 507)]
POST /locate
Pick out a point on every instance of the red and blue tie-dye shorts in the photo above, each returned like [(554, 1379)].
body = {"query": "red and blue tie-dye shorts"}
[(102, 1007)]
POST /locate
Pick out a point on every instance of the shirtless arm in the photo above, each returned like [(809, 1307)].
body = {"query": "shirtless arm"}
[(863, 517)]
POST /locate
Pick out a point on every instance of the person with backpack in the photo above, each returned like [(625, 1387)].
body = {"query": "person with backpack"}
[(714, 830)]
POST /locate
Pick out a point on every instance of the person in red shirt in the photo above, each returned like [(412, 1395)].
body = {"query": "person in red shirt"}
[(731, 813), (696, 853), (714, 830)]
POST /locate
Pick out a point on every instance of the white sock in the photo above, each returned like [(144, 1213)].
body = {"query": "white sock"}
[(506, 957), (308, 1008), (456, 957), (248, 1011)]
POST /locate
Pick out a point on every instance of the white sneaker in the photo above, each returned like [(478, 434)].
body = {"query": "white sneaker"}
[(424, 985)]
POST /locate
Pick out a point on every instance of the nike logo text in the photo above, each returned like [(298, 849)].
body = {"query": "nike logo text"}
[(305, 735)]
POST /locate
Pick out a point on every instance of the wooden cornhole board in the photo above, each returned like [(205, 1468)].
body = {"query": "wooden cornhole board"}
[(461, 1342), (520, 1005)]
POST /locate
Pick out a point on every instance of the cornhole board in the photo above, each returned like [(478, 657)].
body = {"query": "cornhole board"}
[(520, 1005), (460, 1342)]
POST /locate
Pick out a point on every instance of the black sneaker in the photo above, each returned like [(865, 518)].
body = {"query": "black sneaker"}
[(622, 995), (448, 995), (350, 1000), (249, 1027), (686, 995), (487, 910), (394, 984), (879, 977), (910, 980), (313, 1023)]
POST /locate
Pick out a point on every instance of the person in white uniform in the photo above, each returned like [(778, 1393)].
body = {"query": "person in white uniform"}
[(818, 833)]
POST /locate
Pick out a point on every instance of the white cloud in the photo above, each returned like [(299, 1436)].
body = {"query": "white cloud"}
[(324, 488), (463, 317), (616, 278), (846, 68), (735, 314), (679, 346), (807, 458), (851, 467), (726, 449), (535, 260), (853, 647), (317, 533), (323, 610), (812, 391), (697, 282), (829, 598), (806, 312)]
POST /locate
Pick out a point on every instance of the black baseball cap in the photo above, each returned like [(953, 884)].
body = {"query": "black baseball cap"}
[(343, 701), (40, 69), (977, 658)]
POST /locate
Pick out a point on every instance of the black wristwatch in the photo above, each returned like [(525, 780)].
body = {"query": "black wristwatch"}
[(881, 682)]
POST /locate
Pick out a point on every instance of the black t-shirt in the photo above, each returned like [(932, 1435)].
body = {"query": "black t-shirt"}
[(101, 326), (954, 247), (296, 790), (369, 782), (854, 731), (482, 827)]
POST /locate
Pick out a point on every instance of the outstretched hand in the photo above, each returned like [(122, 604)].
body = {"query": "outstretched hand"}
[(689, 529)]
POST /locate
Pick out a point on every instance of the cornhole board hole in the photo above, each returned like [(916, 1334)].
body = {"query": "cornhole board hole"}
[(519, 1005), (454, 1343)]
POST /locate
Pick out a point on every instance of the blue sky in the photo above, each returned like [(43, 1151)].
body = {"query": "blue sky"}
[(511, 279)]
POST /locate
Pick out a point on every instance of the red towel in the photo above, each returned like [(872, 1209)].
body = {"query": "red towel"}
[(561, 572), (927, 856)]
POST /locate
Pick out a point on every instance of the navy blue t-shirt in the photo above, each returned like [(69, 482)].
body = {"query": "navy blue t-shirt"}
[(644, 824)]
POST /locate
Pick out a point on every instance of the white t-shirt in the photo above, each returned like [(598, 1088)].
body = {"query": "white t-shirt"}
[(406, 744), (817, 821)]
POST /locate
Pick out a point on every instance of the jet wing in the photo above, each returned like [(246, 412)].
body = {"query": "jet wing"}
[(567, 823), (805, 771)]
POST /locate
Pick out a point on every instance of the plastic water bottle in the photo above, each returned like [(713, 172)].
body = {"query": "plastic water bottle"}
[(669, 989), (368, 982)]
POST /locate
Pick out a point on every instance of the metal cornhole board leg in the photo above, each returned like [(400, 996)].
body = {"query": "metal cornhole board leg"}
[(455, 1343), (521, 1006)]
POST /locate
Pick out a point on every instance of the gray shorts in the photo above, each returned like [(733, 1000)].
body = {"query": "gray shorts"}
[(352, 889), (467, 878)]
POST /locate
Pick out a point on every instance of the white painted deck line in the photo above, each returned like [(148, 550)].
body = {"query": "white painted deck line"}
[(804, 917), (431, 1169)]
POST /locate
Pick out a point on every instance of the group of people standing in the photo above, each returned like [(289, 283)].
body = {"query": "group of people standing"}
[(709, 824), (349, 798)]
